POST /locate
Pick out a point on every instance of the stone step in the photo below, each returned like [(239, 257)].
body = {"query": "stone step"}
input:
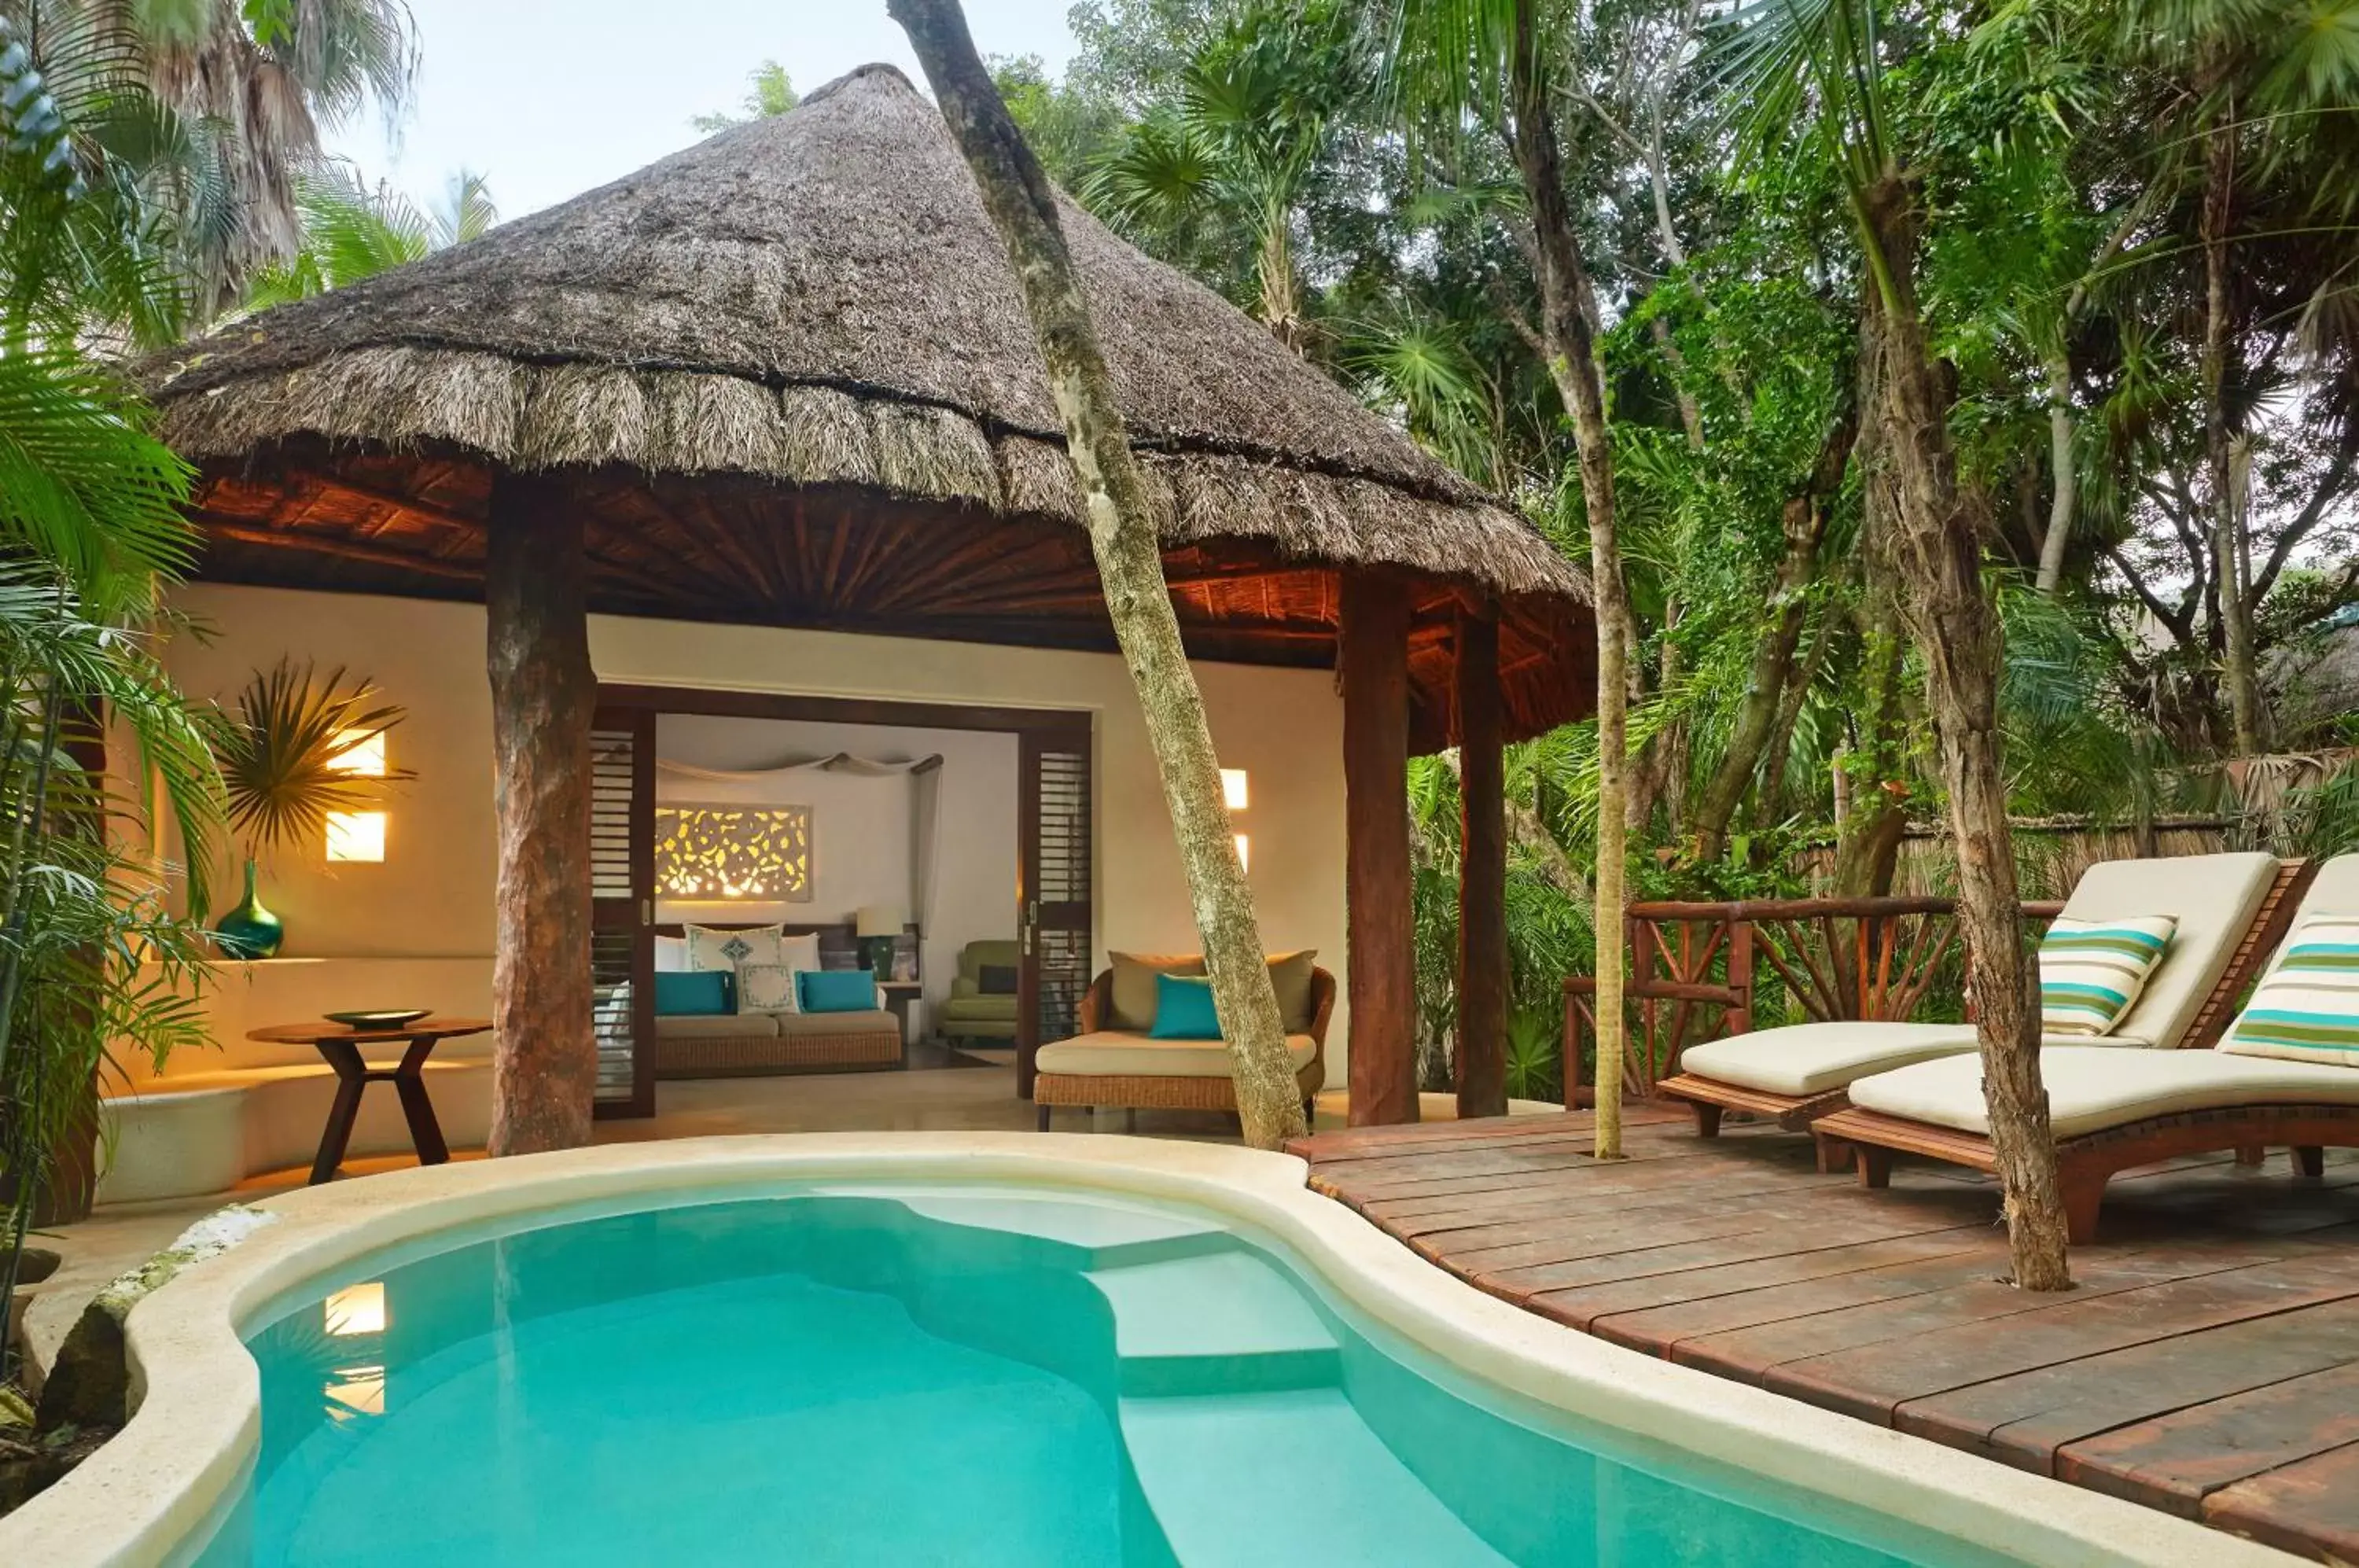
[(1289, 1477)]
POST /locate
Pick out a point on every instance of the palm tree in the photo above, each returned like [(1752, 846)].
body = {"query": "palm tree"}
[(1129, 560), (1815, 71), (768, 91), (91, 955), (350, 232), (1492, 62), (1241, 148)]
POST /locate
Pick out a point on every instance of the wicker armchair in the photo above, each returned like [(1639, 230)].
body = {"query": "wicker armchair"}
[(1125, 1067)]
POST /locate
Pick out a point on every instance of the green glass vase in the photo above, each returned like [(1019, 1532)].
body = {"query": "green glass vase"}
[(250, 931)]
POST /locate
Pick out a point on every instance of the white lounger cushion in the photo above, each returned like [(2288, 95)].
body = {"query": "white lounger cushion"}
[(1123, 1053), (2214, 897), (1811, 1058), (2090, 1087)]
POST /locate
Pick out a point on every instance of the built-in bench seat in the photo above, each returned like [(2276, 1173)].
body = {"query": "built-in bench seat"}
[(198, 1133), (738, 1045)]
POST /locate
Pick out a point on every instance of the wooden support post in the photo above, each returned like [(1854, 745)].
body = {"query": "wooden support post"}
[(545, 1067), (1373, 659), (1482, 873)]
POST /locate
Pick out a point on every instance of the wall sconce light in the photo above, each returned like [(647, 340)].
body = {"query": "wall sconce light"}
[(356, 836), (360, 751), (1233, 788), (1244, 852)]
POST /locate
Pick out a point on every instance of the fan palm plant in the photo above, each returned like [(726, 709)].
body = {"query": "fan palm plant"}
[(284, 746)]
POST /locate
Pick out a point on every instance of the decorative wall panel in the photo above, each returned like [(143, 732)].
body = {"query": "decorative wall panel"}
[(756, 853)]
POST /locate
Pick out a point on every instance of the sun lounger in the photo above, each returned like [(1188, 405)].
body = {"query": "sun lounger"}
[(2230, 910), (2112, 1110)]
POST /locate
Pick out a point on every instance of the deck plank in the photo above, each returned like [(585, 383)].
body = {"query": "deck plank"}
[(2204, 1363)]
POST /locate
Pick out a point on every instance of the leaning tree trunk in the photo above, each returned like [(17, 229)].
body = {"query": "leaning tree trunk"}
[(1129, 559), (1572, 362), (2228, 575), (1939, 550)]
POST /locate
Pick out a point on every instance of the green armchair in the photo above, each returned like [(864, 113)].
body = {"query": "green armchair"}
[(969, 1012)]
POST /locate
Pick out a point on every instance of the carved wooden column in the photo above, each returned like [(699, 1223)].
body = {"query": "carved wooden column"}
[(1482, 873), (545, 1070), (1374, 662)]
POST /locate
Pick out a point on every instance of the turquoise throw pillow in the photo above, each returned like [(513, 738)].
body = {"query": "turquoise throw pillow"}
[(693, 993), (837, 990), (1183, 1008)]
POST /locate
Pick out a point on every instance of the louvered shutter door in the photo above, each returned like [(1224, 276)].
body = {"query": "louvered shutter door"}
[(622, 898), (1055, 913)]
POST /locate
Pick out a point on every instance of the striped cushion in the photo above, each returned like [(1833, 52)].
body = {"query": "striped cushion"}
[(2307, 1009), (2091, 971)]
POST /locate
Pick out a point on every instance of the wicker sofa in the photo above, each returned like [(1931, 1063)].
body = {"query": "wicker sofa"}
[(748, 1045), (1125, 1067)]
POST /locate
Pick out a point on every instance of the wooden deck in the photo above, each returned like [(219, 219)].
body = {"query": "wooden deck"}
[(2208, 1364)]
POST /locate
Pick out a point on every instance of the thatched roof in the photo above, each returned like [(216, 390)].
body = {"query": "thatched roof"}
[(819, 298)]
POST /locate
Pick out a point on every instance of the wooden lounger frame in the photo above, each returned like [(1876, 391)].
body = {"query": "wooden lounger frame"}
[(1707, 1098), (2086, 1163)]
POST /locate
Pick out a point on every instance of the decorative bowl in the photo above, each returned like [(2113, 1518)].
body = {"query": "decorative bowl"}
[(383, 1018)]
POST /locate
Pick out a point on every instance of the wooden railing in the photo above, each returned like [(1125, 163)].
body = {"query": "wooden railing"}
[(1691, 972)]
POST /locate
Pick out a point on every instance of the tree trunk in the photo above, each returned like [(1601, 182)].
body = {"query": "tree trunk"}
[(1482, 873), (1769, 799), (2228, 576), (1379, 936), (545, 1056), (2059, 537), (1958, 631), (1566, 329), (1129, 560), (1803, 524)]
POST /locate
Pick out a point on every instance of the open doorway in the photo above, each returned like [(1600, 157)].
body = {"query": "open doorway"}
[(795, 842)]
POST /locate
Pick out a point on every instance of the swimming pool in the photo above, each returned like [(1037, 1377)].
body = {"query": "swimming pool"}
[(960, 1349)]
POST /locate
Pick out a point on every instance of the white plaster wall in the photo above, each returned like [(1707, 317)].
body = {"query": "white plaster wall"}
[(432, 896), (861, 826)]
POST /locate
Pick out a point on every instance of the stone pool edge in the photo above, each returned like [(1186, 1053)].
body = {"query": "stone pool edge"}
[(199, 1414)]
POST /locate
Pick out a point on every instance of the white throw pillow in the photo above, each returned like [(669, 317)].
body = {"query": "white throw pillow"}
[(766, 988), (709, 949), (2091, 971), (800, 951), (671, 955)]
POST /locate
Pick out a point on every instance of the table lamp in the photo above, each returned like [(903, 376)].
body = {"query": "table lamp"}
[(878, 926)]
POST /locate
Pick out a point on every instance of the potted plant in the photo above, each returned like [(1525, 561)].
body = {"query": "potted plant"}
[(284, 747)]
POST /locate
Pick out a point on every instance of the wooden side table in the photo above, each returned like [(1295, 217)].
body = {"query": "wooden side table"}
[(339, 1045)]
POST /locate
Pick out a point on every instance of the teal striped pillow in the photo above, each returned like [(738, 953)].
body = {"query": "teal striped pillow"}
[(2091, 971), (2306, 1007)]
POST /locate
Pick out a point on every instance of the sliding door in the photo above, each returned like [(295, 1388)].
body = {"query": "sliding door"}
[(622, 908), (1054, 876)]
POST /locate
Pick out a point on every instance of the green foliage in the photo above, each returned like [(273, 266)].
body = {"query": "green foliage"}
[(769, 91), (352, 232)]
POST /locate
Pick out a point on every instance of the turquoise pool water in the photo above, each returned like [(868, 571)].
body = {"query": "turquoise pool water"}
[(935, 1377)]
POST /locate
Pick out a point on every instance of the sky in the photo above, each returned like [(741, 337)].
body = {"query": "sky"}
[(549, 98)]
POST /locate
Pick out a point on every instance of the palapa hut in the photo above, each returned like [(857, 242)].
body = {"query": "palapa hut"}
[(784, 380)]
